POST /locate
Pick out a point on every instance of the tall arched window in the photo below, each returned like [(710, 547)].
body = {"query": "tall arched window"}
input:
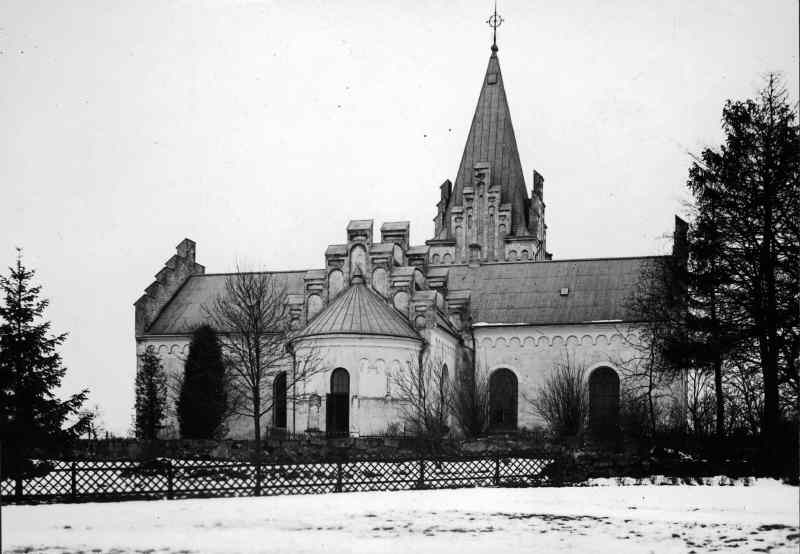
[(603, 401), (503, 400), (338, 403), (444, 386), (279, 400)]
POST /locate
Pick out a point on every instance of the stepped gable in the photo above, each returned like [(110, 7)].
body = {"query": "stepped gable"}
[(359, 311)]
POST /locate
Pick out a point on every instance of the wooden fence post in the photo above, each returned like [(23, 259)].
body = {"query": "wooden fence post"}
[(170, 484), (338, 487), (496, 469), (421, 481), (73, 481), (18, 485), (258, 477)]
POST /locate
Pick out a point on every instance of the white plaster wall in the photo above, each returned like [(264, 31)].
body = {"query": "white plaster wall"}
[(172, 350), (370, 361), (531, 352)]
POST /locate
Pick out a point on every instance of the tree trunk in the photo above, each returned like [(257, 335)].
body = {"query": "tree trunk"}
[(257, 425), (768, 309), (719, 396)]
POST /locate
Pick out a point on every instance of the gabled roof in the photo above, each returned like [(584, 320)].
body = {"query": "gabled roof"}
[(359, 311), (185, 312), (491, 139), (530, 292)]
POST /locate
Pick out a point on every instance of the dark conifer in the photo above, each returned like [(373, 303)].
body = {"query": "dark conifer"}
[(151, 396), (31, 370), (202, 403)]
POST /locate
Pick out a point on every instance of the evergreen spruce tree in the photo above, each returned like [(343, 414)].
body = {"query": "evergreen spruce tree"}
[(747, 249), (31, 371), (151, 396), (202, 403)]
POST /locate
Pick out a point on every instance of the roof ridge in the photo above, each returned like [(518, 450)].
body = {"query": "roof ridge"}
[(550, 262), (220, 274)]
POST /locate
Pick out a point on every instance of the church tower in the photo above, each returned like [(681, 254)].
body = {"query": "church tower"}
[(487, 215)]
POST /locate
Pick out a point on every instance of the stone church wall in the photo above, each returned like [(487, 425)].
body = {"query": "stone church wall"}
[(531, 352)]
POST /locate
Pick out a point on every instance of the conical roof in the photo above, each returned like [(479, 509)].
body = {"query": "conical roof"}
[(491, 139), (359, 311)]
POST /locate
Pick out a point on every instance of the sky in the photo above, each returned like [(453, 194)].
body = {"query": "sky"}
[(259, 129)]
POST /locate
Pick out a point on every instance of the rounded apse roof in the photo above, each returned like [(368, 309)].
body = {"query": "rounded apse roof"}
[(359, 311)]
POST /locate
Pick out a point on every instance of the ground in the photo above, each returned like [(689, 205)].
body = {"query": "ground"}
[(645, 518)]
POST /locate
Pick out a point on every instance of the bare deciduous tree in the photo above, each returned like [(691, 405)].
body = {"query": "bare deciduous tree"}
[(426, 390), (254, 324), (563, 400), (471, 401)]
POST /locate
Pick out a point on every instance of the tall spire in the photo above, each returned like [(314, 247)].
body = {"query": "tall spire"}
[(491, 141)]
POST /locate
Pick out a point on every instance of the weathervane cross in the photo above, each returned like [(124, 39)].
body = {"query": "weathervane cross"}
[(494, 22)]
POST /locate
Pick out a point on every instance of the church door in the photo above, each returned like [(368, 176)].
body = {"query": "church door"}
[(503, 401), (603, 402), (338, 404), (279, 401)]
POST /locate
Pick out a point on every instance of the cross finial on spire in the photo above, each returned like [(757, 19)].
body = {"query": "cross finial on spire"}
[(494, 22)]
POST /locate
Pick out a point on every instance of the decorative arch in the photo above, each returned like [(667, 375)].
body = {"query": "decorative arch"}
[(447, 259), (400, 301), (435, 259), (380, 281), (335, 283), (397, 254), (512, 255), (529, 342), (279, 401), (503, 387), (603, 401), (358, 259), (524, 255), (419, 280), (338, 403), (313, 306)]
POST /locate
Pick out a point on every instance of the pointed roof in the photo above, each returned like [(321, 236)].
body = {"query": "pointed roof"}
[(359, 311), (491, 139)]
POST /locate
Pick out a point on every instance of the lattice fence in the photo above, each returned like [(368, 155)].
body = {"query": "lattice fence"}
[(82, 481)]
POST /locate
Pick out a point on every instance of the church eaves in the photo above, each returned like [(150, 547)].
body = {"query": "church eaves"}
[(491, 140)]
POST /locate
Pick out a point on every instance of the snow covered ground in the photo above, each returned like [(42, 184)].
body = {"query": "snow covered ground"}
[(646, 518)]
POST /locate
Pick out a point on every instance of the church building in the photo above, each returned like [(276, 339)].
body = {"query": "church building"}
[(482, 296)]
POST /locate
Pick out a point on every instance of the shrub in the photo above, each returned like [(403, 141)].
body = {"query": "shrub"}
[(563, 401)]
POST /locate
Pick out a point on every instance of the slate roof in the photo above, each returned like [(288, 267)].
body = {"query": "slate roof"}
[(529, 292), (184, 312), (491, 139), (359, 311)]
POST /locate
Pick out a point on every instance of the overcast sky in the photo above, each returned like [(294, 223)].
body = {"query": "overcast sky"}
[(258, 129)]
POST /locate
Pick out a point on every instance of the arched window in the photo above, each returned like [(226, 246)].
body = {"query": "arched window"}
[(503, 400), (603, 401), (444, 386), (279, 401), (338, 403)]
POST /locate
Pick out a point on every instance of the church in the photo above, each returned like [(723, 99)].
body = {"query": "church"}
[(482, 296)]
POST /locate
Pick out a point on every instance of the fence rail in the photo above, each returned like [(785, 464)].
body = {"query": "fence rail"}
[(84, 481)]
